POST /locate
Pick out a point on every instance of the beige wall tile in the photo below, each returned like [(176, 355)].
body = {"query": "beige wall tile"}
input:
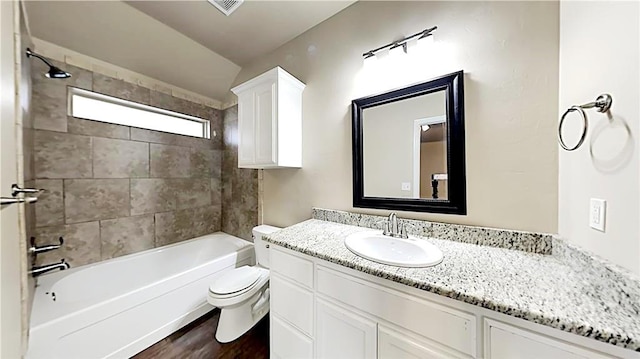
[(172, 227), (239, 195), (152, 195), (49, 105), (81, 243), (61, 155), (49, 96), (97, 129), (191, 192), (94, 199), (28, 156), (49, 210), (120, 89), (120, 158), (170, 161), (141, 134), (93, 175), (202, 162), (127, 235), (171, 103), (216, 191)]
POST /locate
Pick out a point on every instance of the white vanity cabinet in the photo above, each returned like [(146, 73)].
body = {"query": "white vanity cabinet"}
[(323, 310), (270, 121)]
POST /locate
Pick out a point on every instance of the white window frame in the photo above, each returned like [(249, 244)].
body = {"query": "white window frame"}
[(206, 125)]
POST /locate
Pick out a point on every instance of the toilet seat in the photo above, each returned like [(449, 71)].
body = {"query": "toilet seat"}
[(240, 284), (236, 280)]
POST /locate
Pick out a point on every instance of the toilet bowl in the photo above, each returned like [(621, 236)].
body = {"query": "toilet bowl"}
[(242, 294)]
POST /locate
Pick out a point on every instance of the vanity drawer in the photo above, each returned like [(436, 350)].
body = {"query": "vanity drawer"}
[(299, 270), (444, 325), (292, 303)]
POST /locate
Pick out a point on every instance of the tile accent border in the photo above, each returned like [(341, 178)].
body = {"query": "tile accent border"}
[(540, 243)]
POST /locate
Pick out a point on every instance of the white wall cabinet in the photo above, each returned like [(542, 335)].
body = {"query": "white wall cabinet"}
[(270, 121), (323, 310)]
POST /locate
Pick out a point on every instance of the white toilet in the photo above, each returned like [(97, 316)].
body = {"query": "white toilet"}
[(242, 294)]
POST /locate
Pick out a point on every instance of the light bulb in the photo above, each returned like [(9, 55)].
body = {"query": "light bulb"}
[(425, 42), (370, 61)]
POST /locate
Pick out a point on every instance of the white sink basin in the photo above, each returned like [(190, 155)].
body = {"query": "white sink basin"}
[(411, 252)]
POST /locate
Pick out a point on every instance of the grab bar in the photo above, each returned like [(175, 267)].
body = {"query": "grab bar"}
[(603, 104)]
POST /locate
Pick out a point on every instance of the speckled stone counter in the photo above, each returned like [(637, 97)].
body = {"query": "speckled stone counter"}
[(540, 288)]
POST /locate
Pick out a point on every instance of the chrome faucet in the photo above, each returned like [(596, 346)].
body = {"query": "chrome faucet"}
[(36, 271), (393, 228)]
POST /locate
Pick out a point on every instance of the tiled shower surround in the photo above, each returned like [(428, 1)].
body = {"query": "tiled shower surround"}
[(113, 190)]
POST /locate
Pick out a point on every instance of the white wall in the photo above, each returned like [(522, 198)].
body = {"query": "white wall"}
[(509, 53), (10, 255), (599, 52)]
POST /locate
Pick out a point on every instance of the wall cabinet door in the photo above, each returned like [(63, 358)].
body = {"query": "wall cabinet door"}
[(265, 108), (341, 333), (395, 345), (246, 129)]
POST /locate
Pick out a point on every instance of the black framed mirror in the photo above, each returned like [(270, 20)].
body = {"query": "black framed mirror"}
[(408, 148)]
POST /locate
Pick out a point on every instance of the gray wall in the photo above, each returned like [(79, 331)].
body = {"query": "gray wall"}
[(114, 190)]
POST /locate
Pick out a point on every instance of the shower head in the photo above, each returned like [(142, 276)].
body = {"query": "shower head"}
[(54, 72)]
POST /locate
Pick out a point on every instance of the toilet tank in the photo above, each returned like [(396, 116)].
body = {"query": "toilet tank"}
[(262, 253)]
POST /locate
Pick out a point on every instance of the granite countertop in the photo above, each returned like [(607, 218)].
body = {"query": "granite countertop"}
[(540, 288)]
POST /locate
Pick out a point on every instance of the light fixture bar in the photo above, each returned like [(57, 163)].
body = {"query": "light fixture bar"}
[(403, 42)]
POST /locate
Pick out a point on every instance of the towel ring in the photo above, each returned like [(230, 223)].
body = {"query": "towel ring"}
[(602, 103)]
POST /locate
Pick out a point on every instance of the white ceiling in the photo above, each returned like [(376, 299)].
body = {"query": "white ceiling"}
[(254, 29), (189, 44)]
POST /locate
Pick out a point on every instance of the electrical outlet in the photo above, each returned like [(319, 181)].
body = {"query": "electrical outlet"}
[(597, 213), (406, 186)]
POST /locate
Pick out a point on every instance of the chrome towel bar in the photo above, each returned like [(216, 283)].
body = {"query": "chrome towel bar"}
[(602, 103)]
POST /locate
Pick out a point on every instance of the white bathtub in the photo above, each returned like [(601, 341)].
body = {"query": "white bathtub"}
[(117, 308)]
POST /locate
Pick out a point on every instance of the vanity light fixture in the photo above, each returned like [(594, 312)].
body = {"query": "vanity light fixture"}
[(399, 46)]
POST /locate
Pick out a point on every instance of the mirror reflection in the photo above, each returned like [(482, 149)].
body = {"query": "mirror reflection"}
[(405, 148)]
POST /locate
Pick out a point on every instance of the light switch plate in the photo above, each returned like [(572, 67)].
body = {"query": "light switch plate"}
[(597, 213), (406, 186)]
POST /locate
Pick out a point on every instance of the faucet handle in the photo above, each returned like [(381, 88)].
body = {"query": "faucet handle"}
[(403, 229), (42, 249), (385, 227)]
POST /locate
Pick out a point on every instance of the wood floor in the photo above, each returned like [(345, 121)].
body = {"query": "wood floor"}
[(197, 341)]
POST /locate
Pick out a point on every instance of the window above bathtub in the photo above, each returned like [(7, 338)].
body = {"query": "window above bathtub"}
[(93, 106)]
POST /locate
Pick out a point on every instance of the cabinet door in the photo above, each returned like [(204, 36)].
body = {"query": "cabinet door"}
[(246, 129), (394, 345), (343, 334), (288, 342), (505, 342), (265, 122)]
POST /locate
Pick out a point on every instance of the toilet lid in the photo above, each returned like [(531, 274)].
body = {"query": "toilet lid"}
[(236, 280)]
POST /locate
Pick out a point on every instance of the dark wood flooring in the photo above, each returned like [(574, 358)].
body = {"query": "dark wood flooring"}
[(197, 341)]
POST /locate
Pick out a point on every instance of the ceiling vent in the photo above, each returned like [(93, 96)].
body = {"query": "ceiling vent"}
[(226, 6)]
